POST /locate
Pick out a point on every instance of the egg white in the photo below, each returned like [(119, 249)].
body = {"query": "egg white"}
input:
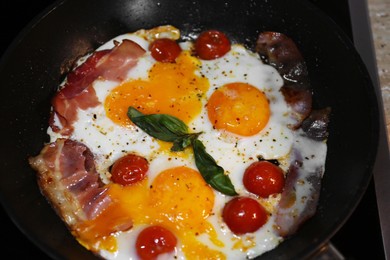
[(109, 142), (235, 153)]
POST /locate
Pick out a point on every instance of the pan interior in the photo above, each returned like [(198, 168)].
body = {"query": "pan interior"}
[(35, 64)]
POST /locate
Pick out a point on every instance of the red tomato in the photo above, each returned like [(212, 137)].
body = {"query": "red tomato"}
[(129, 169), (263, 179), (165, 50), (153, 241), (244, 215), (212, 44)]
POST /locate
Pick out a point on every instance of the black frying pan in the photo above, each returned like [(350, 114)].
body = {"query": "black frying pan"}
[(34, 64)]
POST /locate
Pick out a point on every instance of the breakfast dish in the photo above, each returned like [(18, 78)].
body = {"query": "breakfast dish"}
[(184, 148)]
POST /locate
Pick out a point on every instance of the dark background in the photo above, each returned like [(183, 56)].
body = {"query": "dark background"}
[(359, 238)]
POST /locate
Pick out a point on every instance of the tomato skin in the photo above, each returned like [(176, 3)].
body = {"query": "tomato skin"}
[(212, 44), (165, 50), (263, 179), (129, 169), (244, 215), (153, 241)]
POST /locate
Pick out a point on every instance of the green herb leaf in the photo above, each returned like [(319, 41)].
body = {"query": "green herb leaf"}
[(184, 141), (171, 129), (163, 127), (211, 171)]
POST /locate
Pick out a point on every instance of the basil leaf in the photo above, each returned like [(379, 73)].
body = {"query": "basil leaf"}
[(161, 126), (211, 171), (184, 141), (171, 129)]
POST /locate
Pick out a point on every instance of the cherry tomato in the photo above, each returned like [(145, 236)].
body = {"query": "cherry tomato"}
[(263, 178), (129, 169), (153, 241), (165, 50), (212, 44), (244, 215)]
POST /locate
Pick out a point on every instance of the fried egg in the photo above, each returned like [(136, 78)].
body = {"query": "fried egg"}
[(174, 194)]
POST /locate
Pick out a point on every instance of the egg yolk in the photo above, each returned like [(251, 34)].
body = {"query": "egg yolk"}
[(239, 108), (171, 88), (178, 199)]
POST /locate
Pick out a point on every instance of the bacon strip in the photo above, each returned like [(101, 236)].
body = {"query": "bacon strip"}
[(78, 93), (293, 209), (68, 179), (300, 195), (301, 192), (281, 52)]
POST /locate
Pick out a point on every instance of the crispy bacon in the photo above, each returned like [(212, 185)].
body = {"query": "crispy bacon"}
[(68, 179), (281, 52), (78, 93)]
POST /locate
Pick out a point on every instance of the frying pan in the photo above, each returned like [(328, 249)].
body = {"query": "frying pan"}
[(35, 63)]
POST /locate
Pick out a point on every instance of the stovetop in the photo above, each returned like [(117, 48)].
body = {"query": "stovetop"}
[(359, 238)]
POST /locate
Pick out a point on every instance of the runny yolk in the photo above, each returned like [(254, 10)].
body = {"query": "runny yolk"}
[(178, 199), (171, 88), (239, 108)]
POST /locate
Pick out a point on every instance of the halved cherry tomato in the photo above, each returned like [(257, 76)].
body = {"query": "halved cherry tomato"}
[(244, 215), (153, 241), (212, 44), (165, 50), (263, 178), (129, 169)]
